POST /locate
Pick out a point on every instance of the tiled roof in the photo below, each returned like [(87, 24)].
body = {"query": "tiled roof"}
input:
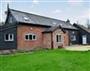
[(39, 20), (53, 28), (82, 27)]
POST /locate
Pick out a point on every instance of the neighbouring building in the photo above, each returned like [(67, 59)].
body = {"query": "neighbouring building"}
[(24, 31), (83, 33)]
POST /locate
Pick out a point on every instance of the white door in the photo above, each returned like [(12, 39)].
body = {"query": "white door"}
[(84, 39)]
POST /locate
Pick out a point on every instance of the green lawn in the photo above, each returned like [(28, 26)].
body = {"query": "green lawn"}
[(46, 60)]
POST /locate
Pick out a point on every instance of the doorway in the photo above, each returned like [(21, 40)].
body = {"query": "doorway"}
[(84, 39)]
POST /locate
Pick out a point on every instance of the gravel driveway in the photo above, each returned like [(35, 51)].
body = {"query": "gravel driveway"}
[(78, 48)]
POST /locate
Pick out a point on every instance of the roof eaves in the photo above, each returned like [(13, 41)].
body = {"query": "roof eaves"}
[(53, 29), (23, 23), (82, 27)]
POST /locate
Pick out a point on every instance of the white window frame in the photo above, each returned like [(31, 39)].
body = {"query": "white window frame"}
[(58, 39), (9, 39), (32, 37)]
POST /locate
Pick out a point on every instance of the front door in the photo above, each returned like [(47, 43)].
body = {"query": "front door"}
[(84, 39)]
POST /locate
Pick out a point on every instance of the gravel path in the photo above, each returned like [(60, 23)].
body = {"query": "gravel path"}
[(78, 48)]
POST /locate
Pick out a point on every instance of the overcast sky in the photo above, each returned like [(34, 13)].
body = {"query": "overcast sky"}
[(75, 10)]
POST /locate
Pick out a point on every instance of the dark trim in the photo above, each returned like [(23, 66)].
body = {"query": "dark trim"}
[(47, 32), (29, 24), (48, 26), (8, 27), (16, 38), (71, 29), (69, 40)]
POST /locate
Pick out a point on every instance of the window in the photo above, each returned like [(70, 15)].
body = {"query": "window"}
[(26, 18), (30, 37), (54, 23), (58, 38), (9, 37), (73, 32), (73, 38)]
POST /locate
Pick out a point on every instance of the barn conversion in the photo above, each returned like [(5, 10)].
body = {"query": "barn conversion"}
[(24, 31)]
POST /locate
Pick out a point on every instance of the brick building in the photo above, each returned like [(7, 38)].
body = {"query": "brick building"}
[(25, 31)]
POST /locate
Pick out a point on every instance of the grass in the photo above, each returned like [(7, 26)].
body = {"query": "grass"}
[(46, 60)]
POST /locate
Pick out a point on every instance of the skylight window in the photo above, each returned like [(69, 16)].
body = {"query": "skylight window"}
[(54, 23), (26, 18)]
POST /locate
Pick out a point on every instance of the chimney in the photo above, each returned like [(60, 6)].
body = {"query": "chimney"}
[(68, 21), (7, 9)]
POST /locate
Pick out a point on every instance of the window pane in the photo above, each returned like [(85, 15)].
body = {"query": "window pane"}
[(26, 37), (6, 37), (58, 38), (11, 37), (30, 37), (34, 37)]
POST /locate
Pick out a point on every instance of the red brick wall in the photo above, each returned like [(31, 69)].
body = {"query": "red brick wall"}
[(24, 44), (47, 40), (64, 36), (42, 40), (66, 39)]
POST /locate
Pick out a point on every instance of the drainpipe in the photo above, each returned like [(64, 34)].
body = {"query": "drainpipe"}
[(69, 38), (51, 40)]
